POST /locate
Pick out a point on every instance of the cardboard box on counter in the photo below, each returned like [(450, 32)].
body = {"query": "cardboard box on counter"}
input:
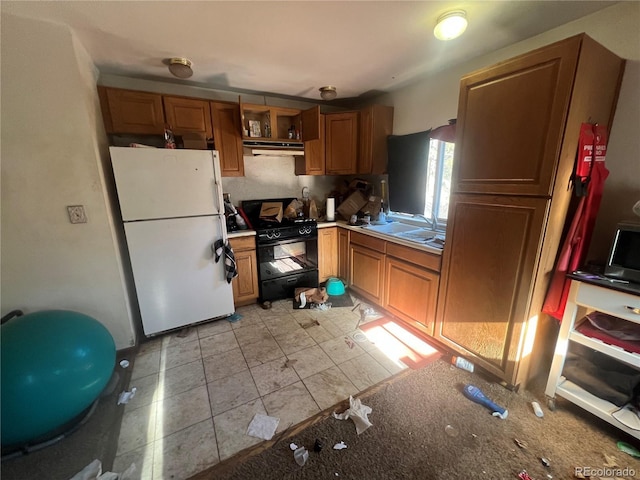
[(271, 211), (352, 204), (372, 206)]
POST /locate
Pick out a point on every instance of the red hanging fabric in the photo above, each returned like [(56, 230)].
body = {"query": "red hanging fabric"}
[(576, 244)]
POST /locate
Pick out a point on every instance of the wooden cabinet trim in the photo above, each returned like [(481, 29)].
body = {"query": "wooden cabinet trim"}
[(413, 256), (243, 243), (368, 241)]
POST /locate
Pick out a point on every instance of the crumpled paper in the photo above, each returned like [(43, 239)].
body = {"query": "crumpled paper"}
[(93, 471), (356, 412), (263, 426), (126, 396)]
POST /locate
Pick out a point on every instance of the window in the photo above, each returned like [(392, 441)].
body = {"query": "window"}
[(438, 184), (420, 167)]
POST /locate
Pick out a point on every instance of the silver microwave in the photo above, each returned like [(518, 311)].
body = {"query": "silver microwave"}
[(624, 257)]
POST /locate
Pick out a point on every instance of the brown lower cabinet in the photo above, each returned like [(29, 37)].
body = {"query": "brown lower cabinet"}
[(411, 293), (402, 280), (327, 253), (343, 255), (493, 244), (366, 262), (245, 285)]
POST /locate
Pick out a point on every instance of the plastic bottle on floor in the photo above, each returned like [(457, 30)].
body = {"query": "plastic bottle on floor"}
[(462, 363)]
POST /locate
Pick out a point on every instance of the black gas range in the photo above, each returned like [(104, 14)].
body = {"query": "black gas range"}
[(287, 251)]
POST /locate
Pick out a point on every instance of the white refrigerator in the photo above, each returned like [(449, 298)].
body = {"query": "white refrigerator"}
[(173, 212)]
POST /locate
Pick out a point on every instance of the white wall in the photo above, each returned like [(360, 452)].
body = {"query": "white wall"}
[(433, 100), (51, 159)]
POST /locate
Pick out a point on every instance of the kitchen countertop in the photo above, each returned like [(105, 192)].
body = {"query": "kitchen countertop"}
[(387, 237), (242, 233), (359, 229)]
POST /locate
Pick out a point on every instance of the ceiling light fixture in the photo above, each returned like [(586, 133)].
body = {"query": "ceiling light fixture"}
[(180, 67), (328, 93), (451, 25)]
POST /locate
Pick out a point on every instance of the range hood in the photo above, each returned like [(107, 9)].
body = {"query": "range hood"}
[(273, 149)]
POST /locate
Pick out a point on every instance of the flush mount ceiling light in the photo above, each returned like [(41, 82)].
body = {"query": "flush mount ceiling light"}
[(180, 67), (328, 93), (451, 25)]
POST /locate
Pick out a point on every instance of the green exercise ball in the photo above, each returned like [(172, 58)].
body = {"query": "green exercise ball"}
[(55, 363)]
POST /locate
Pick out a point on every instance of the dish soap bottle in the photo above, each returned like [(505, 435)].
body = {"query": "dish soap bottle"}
[(384, 194)]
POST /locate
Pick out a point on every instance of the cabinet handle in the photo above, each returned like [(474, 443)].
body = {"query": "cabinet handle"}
[(635, 310)]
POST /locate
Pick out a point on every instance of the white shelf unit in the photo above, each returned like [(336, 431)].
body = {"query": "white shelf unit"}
[(583, 298)]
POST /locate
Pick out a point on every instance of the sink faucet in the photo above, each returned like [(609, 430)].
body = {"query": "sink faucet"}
[(433, 222)]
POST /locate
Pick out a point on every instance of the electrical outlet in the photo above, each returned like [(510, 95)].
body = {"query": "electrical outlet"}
[(76, 214)]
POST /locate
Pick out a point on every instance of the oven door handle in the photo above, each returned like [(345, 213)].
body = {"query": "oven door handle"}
[(278, 241)]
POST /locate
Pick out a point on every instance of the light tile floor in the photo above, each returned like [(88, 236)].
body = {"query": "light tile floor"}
[(198, 389)]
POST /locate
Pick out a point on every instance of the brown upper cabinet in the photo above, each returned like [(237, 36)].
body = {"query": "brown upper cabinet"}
[(143, 113), (188, 115), (341, 143), (514, 114), (127, 111), (227, 139), (376, 124), (268, 123), (312, 162)]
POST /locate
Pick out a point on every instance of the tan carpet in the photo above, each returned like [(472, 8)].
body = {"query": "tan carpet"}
[(410, 439)]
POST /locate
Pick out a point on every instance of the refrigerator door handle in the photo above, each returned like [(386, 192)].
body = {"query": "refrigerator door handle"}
[(217, 183), (223, 222)]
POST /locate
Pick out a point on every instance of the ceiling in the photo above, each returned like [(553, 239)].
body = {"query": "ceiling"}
[(294, 48)]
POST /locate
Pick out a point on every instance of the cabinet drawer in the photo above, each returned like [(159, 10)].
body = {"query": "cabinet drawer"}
[(416, 257), (367, 241), (609, 301), (243, 243)]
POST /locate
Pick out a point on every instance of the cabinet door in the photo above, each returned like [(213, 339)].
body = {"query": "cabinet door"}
[(227, 138), (135, 112), (511, 121), (488, 270), (312, 122), (186, 115), (367, 272), (245, 285), (341, 149), (327, 253), (411, 293), (376, 124), (312, 163), (343, 255)]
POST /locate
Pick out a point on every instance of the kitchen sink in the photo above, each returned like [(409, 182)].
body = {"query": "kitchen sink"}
[(391, 228), (424, 237), (411, 233)]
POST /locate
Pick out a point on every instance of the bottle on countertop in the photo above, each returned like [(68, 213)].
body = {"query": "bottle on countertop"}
[(384, 194)]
